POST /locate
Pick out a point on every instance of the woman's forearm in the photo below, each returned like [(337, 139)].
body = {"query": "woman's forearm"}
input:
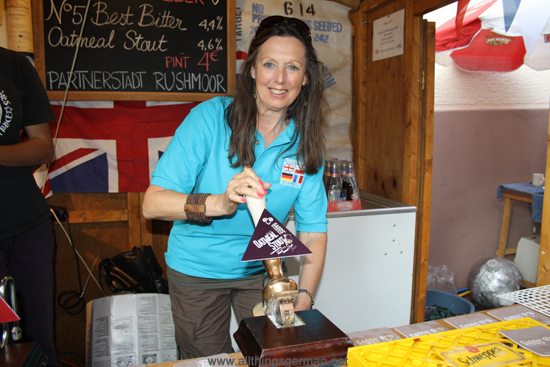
[(311, 266)]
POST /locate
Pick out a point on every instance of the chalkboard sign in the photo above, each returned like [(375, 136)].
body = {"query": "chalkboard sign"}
[(136, 49)]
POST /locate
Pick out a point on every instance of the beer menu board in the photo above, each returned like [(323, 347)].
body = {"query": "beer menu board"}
[(136, 49)]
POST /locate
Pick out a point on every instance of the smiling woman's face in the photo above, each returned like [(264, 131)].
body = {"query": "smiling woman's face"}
[(280, 73)]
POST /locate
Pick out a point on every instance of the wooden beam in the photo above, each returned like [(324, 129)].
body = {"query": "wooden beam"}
[(424, 208), (354, 4), (422, 7), (134, 219), (370, 5), (543, 275), (411, 129), (358, 125), (92, 216), (418, 8), (505, 227)]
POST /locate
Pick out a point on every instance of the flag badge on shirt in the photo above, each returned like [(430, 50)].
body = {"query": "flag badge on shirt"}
[(271, 240), (292, 174)]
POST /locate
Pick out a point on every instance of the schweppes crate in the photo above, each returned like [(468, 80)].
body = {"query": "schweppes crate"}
[(480, 346)]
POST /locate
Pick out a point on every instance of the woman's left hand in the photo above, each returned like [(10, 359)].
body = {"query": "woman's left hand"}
[(303, 302)]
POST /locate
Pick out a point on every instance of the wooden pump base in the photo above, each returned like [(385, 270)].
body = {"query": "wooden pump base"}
[(319, 341)]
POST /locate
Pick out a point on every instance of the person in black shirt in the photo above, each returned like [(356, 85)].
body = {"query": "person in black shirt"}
[(26, 233)]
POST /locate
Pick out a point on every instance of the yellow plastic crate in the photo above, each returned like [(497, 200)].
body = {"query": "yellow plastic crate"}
[(425, 350)]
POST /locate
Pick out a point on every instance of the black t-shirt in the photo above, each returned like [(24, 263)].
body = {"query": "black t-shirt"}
[(23, 102)]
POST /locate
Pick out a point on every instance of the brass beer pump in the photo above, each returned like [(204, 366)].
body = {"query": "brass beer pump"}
[(278, 295), (297, 335), (279, 292)]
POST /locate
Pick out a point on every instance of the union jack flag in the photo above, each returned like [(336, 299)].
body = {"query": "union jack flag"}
[(112, 148), (288, 167), (42, 181)]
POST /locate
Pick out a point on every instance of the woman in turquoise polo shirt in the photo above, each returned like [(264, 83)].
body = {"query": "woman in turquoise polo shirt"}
[(274, 124)]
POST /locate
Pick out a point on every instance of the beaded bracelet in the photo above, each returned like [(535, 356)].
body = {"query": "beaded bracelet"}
[(303, 290), (195, 207)]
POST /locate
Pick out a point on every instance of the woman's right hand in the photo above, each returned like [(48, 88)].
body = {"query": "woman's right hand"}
[(245, 183)]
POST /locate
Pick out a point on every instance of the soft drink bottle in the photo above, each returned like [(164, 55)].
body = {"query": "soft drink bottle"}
[(326, 174), (346, 184), (334, 184), (353, 182)]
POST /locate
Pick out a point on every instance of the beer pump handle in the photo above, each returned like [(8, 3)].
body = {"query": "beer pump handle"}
[(255, 206)]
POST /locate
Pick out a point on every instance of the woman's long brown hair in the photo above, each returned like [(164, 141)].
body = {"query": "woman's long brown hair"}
[(308, 110)]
